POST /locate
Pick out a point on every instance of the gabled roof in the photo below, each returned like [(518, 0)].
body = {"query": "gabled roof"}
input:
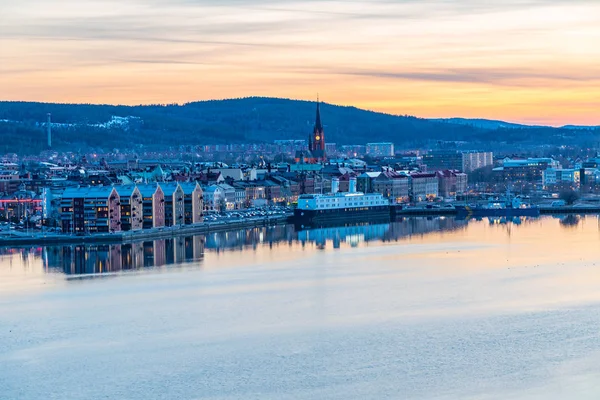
[(125, 190), (190, 187), (148, 190), (169, 188)]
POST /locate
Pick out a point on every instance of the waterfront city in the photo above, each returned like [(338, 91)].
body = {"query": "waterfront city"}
[(267, 200)]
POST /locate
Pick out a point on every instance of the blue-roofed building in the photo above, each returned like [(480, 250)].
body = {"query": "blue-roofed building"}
[(153, 205), (90, 210), (174, 203), (193, 202), (131, 208)]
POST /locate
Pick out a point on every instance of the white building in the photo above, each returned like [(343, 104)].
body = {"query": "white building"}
[(228, 195), (213, 198), (472, 160), (353, 163), (238, 174), (424, 186)]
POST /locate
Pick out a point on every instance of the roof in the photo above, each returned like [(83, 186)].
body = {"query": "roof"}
[(369, 174), (447, 173), (125, 190), (89, 192), (148, 189), (423, 175), (225, 186), (212, 189), (189, 187), (169, 188)]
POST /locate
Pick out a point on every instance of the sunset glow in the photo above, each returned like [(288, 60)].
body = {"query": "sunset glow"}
[(531, 61)]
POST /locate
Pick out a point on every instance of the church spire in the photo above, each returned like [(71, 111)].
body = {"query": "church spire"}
[(316, 141), (318, 125)]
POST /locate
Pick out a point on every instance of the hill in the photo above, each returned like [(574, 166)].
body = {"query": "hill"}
[(256, 119)]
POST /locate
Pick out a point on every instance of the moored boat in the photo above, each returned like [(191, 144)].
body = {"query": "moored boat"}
[(351, 206)]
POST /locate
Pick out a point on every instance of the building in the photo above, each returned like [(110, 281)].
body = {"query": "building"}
[(364, 181), (228, 196), (132, 217), (153, 206), (451, 183), (289, 188), (214, 198), (194, 203), (237, 174), (472, 160), (9, 181), (454, 160), (240, 198), (21, 205), (352, 150), (174, 204), (256, 193), (273, 192), (380, 149), (392, 185), (437, 160), (555, 176), (330, 149), (93, 209), (423, 186), (524, 170)]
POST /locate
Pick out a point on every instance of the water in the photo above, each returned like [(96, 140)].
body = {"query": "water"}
[(418, 309)]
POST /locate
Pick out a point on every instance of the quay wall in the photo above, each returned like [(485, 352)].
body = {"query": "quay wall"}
[(148, 234)]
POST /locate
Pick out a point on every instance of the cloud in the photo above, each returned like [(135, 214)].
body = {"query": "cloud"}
[(482, 75)]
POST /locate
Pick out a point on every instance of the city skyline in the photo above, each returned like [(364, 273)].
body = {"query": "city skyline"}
[(520, 61)]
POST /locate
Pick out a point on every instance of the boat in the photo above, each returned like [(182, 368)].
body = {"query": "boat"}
[(345, 207), (509, 208)]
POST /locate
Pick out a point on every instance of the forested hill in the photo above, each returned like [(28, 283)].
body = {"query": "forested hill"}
[(79, 126)]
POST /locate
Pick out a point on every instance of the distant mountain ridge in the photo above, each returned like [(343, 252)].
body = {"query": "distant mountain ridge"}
[(253, 119), (486, 123), (496, 124)]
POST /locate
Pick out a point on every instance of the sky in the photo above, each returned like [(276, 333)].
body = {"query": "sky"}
[(528, 61)]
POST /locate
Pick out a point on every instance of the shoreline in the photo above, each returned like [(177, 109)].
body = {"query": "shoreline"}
[(209, 227), (149, 234)]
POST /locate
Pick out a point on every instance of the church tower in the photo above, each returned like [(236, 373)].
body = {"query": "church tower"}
[(316, 141)]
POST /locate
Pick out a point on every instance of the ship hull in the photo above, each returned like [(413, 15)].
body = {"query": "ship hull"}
[(311, 218), (497, 212)]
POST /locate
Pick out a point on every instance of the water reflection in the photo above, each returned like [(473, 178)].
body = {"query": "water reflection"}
[(570, 221), (104, 258), (101, 258)]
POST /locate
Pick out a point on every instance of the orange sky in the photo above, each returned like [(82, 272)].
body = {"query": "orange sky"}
[(531, 61)]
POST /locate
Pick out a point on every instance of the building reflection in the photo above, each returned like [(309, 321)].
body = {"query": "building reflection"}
[(400, 229), (104, 258)]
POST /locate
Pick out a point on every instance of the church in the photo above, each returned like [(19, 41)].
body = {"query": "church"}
[(316, 144)]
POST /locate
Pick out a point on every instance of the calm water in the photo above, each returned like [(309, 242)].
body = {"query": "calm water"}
[(417, 309)]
